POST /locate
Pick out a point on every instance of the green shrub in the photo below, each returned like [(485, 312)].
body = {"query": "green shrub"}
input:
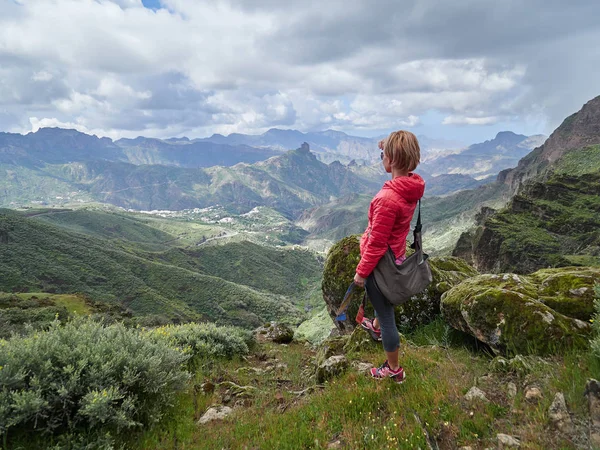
[(201, 340), (86, 377)]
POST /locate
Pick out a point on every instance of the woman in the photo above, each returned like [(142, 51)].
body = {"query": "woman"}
[(390, 213)]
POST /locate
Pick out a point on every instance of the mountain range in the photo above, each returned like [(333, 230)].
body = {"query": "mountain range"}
[(61, 146), (485, 159)]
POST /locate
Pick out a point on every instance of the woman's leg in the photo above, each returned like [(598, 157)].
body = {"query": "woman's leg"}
[(387, 322)]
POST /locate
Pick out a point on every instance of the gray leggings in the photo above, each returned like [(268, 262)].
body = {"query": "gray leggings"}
[(384, 311)]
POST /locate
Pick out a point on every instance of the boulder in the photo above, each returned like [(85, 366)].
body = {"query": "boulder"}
[(339, 272), (568, 290), (511, 390), (559, 414), (533, 394), (279, 333), (476, 394), (331, 367), (504, 312), (330, 347), (215, 413), (359, 340), (362, 367), (507, 441), (592, 392)]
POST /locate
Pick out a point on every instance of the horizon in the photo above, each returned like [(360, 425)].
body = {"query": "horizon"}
[(190, 138)]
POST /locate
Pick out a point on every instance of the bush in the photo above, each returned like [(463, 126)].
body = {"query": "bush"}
[(201, 340), (86, 377)]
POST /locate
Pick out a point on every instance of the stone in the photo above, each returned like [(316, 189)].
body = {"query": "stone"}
[(476, 393), (235, 390), (511, 390), (207, 387), (339, 271), (533, 394), (335, 444), (507, 441), (359, 340), (362, 367), (331, 367), (568, 290), (559, 414), (215, 413), (330, 347), (592, 392), (503, 311), (279, 333)]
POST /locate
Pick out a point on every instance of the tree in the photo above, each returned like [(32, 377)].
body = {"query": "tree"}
[(6, 226)]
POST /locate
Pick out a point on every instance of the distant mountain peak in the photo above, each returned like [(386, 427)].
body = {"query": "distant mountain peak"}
[(333, 133), (577, 131), (507, 134)]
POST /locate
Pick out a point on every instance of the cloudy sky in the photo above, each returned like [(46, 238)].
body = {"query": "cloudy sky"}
[(460, 70)]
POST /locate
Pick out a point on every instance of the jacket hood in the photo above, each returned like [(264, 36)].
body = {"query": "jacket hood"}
[(411, 187)]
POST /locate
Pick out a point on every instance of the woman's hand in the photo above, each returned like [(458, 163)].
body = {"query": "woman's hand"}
[(359, 281), (382, 144)]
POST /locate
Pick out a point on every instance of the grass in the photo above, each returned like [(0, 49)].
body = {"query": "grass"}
[(73, 303), (363, 413)]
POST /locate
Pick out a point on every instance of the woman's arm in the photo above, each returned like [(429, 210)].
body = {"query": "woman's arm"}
[(382, 223)]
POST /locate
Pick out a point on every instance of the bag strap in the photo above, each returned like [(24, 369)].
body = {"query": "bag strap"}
[(418, 226), (417, 244)]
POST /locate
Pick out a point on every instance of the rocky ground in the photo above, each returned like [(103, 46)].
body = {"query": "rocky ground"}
[(457, 395)]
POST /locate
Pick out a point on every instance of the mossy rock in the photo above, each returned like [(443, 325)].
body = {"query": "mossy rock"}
[(330, 347), (360, 340), (568, 290), (339, 272), (331, 367), (503, 311)]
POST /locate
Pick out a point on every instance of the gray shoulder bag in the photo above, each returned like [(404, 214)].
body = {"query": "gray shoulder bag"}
[(398, 283)]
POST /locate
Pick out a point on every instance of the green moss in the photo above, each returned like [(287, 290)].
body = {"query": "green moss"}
[(338, 273), (581, 161), (568, 290), (503, 312)]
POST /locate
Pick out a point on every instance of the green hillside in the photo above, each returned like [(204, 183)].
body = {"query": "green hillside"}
[(201, 285), (109, 225), (553, 221), (283, 272)]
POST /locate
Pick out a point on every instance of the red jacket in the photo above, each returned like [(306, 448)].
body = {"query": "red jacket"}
[(390, 214)]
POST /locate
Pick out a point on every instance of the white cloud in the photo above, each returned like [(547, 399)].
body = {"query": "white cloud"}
[(42, 75), (462, 120), (246, 66)]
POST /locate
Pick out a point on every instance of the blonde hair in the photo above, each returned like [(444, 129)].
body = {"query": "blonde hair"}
[(403, 151)]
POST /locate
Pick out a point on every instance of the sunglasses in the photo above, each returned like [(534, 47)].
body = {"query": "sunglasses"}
[(381, 156)]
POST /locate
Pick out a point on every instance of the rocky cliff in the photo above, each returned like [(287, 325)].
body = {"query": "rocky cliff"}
[(553, 217)]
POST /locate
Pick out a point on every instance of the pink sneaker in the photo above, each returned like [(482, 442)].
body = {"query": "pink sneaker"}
[(385, 371), (375, 333)]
